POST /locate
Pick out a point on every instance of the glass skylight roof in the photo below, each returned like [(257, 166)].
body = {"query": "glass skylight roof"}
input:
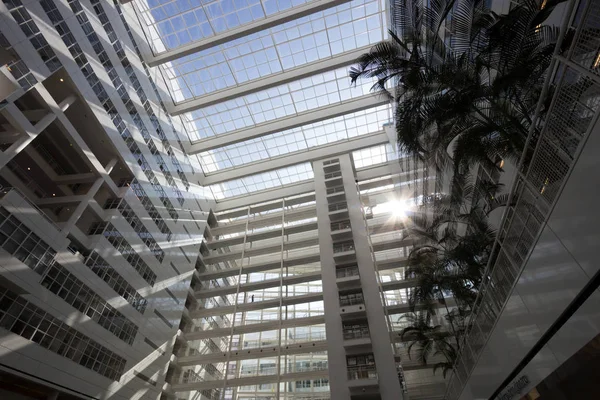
[(298, 139), (325, 35), (374, 155), (265, 180), (172, 23), (316, 37), (281, 101)]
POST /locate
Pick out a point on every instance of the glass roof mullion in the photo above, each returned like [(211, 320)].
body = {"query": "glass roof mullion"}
[(245, 98), (262, 5), (300, 139), (207, 18), (293, 102), (317, 37), (304, 137)]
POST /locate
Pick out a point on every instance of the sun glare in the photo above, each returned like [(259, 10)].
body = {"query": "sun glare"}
[(396, 208)]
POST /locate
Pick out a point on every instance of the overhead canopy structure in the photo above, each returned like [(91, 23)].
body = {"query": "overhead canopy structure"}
[(262, 86)]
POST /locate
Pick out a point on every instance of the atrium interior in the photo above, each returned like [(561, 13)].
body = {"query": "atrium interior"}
[(299, 199)]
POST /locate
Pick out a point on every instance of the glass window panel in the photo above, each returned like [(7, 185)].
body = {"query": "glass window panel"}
[(298, 139), (265, 180), (374, 155), (321, 90), (315, 37)]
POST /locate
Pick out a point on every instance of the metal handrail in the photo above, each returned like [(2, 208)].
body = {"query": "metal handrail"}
[(49, 159), (29, 183), (336, 189), (342, 248), (338, 226), (352, 301), (338, 206), (357, 333), (362, 372), (347, 272)]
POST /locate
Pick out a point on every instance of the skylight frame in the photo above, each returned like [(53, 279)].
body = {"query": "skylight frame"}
[(201, 19), (283, 101), (267, 180), (376, 155), (346, 27), (296, 140)]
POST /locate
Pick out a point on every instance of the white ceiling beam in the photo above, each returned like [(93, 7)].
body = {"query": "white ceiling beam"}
[(250, 380), (292, 121), (329, 150), (300, 11), (255, 85), (265, 195)]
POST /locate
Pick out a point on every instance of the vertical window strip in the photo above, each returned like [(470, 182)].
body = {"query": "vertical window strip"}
[(155, 89), (113, 37), (18, 240), (108, 274), (154, 346), (138, 226), (66, 286), (77, 53), (175, 268), (172, 295), (96, 43), (115, 238), (35, 37), (17, 67)]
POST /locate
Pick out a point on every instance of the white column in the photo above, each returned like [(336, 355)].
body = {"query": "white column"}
[(81, 207), (336, 353), (27, 130), (389, 385)]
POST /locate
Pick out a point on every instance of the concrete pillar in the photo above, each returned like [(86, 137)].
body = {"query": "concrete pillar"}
[(389, 385), (81, 207), (111, 165), (27, 130), (336, 353)]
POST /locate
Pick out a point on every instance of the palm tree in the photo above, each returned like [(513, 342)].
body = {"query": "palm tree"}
[(450, 355), (430, 340), (452, 248), (478, 96)]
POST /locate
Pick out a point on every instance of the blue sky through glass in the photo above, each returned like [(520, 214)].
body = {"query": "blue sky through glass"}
[(319, 36), (353, 25)]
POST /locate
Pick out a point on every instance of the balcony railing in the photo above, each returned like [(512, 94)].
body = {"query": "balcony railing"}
[(356, 333), (346, 272), (124, 182), (340, 248), (362, 372), (352, 300), (337, 189), (272, 370), (210, 373), (338, 206), (338, 226)]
